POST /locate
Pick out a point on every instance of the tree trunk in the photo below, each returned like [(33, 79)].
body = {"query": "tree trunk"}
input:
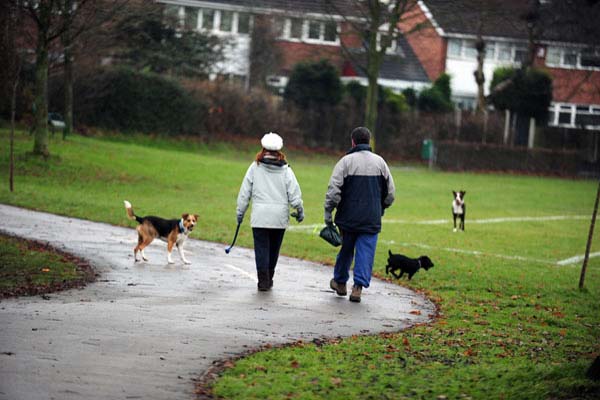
[(589, 242), (371, 103), (13, 111), (40, 144), (68, 86), (479, 75)]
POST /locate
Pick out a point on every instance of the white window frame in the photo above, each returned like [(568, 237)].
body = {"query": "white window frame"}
[(216, 24), (557, 108), (392, 48), (287, 28), (562, 50), (489, 57)]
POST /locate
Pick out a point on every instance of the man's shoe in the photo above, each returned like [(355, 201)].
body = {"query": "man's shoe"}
[(339, 288), (355, 295)]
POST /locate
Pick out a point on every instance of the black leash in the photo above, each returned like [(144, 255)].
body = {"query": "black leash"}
[(227, 250)]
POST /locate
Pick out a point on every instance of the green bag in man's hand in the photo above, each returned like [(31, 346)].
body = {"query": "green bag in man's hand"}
[(331, 235)]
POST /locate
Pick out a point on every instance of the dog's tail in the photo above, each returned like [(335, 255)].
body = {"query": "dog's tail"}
[(390, 252), (130, 214)]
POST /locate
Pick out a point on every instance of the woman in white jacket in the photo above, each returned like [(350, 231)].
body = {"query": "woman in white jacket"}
[(272, 187)]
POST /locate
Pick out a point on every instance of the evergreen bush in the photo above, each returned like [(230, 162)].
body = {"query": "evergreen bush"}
[(123, 99), (313, 85), (526, 92)]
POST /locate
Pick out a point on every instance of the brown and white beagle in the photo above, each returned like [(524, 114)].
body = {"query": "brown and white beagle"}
[(173, 231)]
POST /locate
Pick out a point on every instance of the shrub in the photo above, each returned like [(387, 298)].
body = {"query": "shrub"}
[(123, 99), (526, 92), (313, 85), (437, 97)]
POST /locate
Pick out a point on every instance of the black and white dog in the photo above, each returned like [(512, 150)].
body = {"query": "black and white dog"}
[(459, 209), (406, 265)]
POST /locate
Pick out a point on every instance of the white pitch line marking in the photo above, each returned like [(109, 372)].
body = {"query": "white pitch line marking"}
[(241, 271), (491, 220), (311, 227), (576, 259)]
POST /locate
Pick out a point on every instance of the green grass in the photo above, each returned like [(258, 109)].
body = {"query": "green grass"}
[(31, 268), (512, 322)]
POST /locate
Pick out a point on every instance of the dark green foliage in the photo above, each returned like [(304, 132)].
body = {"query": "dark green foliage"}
[(442, 84), (123, 99), (393, 102), (437, 97), (356, 91), (526, 92), (313, 85), (151, 42), (411, 97)]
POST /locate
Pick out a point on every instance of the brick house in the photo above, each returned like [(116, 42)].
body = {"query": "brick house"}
[(305, 30), (447, 44)]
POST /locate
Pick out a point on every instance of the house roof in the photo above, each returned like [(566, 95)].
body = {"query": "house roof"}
[(404, 65), (574, 21)]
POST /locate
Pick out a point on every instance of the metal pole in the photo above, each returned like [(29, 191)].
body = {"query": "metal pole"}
[(589, 242)]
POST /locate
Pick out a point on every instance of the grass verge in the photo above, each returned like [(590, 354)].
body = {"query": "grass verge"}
[(32, 268)]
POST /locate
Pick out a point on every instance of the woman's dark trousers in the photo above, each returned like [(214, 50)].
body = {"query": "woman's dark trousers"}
[(267, 243)]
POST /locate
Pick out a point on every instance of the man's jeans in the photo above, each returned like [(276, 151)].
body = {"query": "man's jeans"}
[(364, 244)]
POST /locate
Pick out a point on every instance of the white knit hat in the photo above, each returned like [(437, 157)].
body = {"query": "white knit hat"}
[(272, 141)]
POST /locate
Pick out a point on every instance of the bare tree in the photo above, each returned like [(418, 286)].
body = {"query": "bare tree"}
[(265, 56), (12, 23), (376, 23), (46, 21), (79, 17)]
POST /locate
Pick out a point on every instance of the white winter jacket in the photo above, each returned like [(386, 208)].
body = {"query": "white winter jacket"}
[(272, 189)]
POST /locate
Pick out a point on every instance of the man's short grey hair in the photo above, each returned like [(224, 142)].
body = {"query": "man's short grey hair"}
[(361, 135)]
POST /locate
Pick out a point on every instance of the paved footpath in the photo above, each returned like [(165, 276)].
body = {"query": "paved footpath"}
[(144, 330)]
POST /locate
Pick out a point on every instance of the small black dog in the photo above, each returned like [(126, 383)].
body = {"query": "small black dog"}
[(404, 264)]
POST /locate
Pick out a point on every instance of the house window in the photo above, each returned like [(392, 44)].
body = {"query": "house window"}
[(490, 51), (297, 29), (469, 49), (562, 57), (314, 30), (454, 48), (565, 115), (330, 32), (590, 58), (296, 25), (575, 116), (521, 54), (392, 46), (243, 23), (222, 21), (226, 21), (553, 56), (173, 16), (191, 18), (504, 52), (208, 19), (279, 27), (569, 58)]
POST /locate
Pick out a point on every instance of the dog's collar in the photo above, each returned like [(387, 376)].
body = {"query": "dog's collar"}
[(181, 227), (419, 260)]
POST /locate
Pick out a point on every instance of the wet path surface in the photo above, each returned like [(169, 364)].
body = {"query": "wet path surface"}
[(144, 330)]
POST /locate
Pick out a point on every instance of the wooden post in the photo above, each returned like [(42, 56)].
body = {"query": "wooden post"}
[(531, 141), (506, 125), (589, 242)]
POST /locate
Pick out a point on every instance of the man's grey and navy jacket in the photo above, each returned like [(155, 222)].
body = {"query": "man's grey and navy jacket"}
[(361, 187)]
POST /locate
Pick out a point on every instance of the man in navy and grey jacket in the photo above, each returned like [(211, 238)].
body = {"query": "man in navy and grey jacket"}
[(361, 187)]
